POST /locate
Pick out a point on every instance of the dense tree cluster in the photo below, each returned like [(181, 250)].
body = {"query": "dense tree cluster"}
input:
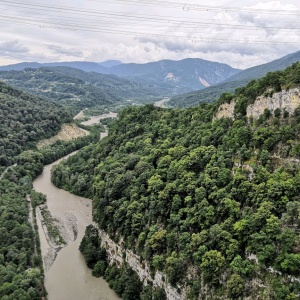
[(25, 119), (199, 198), (21, 275)]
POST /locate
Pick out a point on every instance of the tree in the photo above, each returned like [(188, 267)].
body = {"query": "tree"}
[(235, 286), (212, 266)]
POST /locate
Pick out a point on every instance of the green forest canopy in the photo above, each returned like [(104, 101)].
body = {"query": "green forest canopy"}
[(196, 197)]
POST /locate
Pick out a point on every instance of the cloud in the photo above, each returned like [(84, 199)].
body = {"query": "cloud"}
[(238, 37), (12, 47), (65, 51)]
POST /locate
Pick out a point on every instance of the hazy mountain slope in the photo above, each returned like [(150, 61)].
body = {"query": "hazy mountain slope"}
[(262, 70), (167, 76), (209, 94), (58, 87), (110, 63), (186, 74), (20, 66), (212, 93), (112, 84), (82, 65), (78, 88)]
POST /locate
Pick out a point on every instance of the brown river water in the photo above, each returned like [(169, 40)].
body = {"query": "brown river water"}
[(66, 275)]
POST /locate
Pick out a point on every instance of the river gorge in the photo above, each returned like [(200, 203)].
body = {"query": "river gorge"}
[(66, 274)]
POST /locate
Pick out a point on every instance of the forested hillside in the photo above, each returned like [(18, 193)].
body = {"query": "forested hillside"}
[(78, 89), (25, 119), (58, 87), (165, 77), (213, 204)]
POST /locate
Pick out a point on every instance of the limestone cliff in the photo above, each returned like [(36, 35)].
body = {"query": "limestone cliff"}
[(285, 101), (225, 110), (116, 253)]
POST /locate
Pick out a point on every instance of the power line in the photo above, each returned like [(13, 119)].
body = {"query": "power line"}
[(93, 24), (136, 33), (147, 24), (182, 22), (190, 6)]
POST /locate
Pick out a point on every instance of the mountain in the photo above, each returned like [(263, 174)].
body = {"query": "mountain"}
[(58, 87), (200, 205), (172, 77), (110, 63), (82, 65), (176, 76), (119, 87), (240, 79), (77, 88), (262, 70), (20, 66)]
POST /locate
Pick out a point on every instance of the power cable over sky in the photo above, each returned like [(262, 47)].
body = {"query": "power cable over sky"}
[(143, 31)]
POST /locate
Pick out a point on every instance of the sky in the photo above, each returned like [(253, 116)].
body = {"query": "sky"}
[(241, 33)]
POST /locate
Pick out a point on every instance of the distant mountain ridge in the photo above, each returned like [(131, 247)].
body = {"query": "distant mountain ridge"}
[(110, 63), (76, 88), (210, 94), (174, 77)]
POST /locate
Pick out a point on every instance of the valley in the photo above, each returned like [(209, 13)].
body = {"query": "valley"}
[(203, 200), (169, 203)]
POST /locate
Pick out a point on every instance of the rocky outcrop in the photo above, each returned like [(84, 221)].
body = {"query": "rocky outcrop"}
[(284, 100), (204, 82), (116, 253), (225, 110)]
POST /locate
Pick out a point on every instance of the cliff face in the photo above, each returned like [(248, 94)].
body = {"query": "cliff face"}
[(116, 253), (226, 110), (285, 100)]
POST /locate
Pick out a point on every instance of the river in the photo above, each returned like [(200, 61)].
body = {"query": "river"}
[(96, 119), (66, 274)]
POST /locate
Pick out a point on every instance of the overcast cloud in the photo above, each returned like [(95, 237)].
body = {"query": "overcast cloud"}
[(239, 33)]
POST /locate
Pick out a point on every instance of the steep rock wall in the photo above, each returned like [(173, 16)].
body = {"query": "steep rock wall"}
[(116, 253), (225, 110), (285, 100)]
